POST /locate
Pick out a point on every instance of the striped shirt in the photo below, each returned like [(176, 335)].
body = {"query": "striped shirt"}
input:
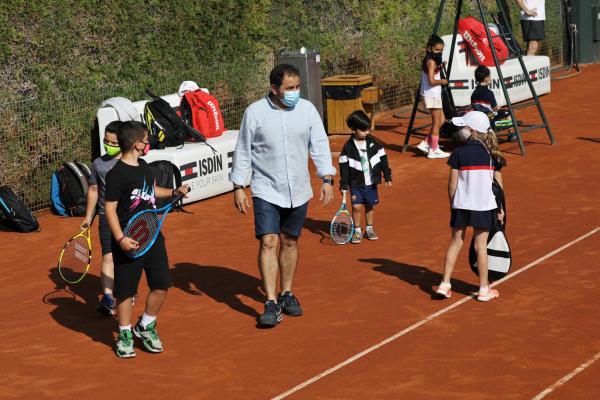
[(475, 175)]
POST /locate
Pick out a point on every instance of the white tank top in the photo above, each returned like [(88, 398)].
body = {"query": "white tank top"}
[(426, 89)]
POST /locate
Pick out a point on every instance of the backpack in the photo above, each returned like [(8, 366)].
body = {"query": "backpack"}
[(15, 216), (165, 128), (473, 32), (201, 110), (69, 188), (167, 175)]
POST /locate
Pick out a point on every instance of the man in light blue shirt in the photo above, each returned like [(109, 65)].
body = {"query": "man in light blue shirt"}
[(276, 136)]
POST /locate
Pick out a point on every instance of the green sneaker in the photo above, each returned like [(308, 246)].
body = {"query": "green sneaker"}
[(124, 345), (149, 336)]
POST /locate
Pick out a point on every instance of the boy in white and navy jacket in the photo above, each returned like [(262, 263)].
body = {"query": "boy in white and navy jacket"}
[(362, 163)]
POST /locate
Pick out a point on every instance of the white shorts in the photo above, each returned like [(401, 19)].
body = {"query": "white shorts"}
[(432, 102)]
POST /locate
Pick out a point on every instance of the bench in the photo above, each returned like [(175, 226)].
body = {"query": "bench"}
[(462, 75), (206, 172)]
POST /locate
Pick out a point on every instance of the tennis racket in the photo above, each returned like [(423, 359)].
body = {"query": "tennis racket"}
[(76, 256), (342, 226), (144, 227)]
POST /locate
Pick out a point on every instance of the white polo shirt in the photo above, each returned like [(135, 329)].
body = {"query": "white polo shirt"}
[(537, 5)]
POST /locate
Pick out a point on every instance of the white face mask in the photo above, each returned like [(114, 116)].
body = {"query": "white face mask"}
[(464, 134)]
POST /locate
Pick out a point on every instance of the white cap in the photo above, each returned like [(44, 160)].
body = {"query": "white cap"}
[(475, 120), (187, 86)]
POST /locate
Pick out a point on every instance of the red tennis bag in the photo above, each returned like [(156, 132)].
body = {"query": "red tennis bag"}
[(201, 110), (473, 32)]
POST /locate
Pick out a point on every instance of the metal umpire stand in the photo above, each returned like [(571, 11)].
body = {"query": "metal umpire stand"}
[(519, 55)]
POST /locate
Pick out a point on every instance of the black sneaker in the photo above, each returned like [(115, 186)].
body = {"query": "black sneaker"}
[(272, 315), (106, 305), (290, 304)]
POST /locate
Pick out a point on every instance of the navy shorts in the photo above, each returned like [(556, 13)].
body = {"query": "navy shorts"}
[(533, 30), (104, 234), (460, 218), (270, 218), (364, 195), (128, 271)]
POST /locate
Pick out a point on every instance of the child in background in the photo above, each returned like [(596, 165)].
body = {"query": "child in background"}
[(431, 94), (362, 163), (473, 165), (95, 198), (130, 188), (482, 98)]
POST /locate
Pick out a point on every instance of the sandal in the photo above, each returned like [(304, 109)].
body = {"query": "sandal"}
[(487, 295), (444, 290)]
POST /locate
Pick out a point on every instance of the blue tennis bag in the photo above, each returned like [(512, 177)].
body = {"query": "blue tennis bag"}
[(69, 188)]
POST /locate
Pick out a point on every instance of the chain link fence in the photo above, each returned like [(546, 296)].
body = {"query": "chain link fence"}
[(38, 134)]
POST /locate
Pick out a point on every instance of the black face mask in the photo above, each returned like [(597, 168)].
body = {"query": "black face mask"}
[(437, 57)]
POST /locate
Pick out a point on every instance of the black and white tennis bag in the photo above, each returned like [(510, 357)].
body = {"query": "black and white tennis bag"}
[(73, 179), (166, 175), (14, 215)]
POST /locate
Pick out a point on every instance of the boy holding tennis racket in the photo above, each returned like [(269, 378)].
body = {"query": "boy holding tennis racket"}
[(95, 199), (129, 189), (362, 163)]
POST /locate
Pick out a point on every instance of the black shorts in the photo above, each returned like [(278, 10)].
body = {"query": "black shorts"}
[(270, 218), (128, 271), (533, 30), (460, 218), (104, 234)]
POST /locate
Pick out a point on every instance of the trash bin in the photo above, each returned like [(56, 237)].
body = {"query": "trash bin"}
[(343, 95), (309, 64)]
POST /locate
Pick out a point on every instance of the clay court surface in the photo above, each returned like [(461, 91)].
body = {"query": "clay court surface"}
[(543, 327)]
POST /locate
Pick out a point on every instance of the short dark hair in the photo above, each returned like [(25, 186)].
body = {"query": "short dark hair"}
[(280, 71), (113, 127), (434, 40), (130, 132), (359, 120), (481, 73)]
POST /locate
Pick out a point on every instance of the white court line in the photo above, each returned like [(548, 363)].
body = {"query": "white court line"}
[(424, 321), (567, 377)]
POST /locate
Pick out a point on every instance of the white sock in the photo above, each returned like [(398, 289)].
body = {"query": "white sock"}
[(484, 289), (124, 328), (147, 320), (357, 229), (369, 227)]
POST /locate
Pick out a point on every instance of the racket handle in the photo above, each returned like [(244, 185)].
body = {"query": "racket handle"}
[(344, 197), (180, 196)]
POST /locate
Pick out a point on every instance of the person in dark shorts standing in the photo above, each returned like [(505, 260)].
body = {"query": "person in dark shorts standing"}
[(474, 165), (276, 136), (130, 188), (95, 199), (533, 18), (362, 163)]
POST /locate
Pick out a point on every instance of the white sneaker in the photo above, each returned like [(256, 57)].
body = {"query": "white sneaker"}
[(423, 146), (437, 153)]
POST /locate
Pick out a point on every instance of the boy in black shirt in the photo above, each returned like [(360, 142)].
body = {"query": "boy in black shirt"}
[(482, 98), (130, 188)]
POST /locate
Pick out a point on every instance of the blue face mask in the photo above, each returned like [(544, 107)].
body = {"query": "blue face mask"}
[(291, 98)]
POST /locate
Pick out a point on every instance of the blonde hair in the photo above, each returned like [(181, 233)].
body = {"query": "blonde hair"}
[(490, 141)]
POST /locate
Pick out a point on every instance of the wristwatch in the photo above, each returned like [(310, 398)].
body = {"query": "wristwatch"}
[(328, 180), (236, 187)]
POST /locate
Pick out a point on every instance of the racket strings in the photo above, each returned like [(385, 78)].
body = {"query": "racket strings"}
[(76, 257), (342, 228), (142, 229)]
